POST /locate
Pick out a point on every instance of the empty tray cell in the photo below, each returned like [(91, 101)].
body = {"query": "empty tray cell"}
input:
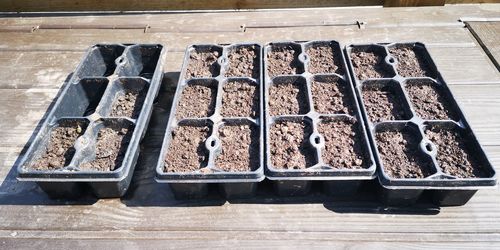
[(412, 61), (344, 146), (401, 155), (430, 100), (203, 61), (240, 98), (384, 101), (197, 99), (331, 95), (243, 61), (100, 61), (140, 60), (129, 98), (457, 153), (289, 145), (283, 59), (187, 151), (82, 98), (59, 149), (369, 62), (113, 138), (288, 96), (325, 58), (239, 148)]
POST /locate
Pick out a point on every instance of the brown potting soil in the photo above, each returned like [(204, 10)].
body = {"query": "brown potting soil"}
[(289, 145), (196, 101), (187, 151), (383, 104), (59, 150), (243, 62), (111, 146), (203, 64), (401, 155), (239, 99), (283, 60), (240, 148), (370, 65), (410, 62), (343, 145), (331, 96), (324, 59), (129, 103), (288, 98), (429, 103), (453, 154)]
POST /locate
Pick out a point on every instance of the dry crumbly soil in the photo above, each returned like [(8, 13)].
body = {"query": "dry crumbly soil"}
[(196, 101), (240, 149), (343, 145), (288, 99), (382, 104), (401, 155), (289, 145), (203, 64), (59, 150), (129, 104), (453, 154), (331, 97), (239, 99), (187, 151), (283, 60), (370, 65), (111, 146), (243, 62), (324, 59), (429, 103), (410, 62)]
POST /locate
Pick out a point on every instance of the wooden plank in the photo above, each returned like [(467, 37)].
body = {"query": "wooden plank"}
[(488, 36), (409, 3), (136, 5)]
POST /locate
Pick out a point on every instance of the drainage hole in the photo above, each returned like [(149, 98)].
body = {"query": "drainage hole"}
[(317, 139), (428, 146), (391, 60), (121, 60)]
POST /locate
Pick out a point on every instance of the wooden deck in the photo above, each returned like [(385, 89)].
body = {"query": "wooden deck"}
[(38, 53)]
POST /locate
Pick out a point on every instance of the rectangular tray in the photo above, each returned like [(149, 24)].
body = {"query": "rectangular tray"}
[(445, 189), (106, 71), (336, 180), (196, 184)]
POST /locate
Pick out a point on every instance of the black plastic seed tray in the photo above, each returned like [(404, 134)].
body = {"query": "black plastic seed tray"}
[(90, 138), (422, 142), (314, 127), (214, 135)]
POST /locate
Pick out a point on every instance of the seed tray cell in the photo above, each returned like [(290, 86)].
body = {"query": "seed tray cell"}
[(90, 138), (314, 128), (214, 135), (428, 143)]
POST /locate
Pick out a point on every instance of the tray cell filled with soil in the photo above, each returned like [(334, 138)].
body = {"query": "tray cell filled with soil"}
[(401, 155), (457, 154), (198, 99), (100, 61), (345, 147), (289, 145), (111, 144), (369, 62), (60, 147), (283, 59), (239, 147), (412, 60), (202, 61), (129, 97), (83, 98), (332, 95), (430, 100), (244, 61), (187, 151), (288, 96), (240, 98), (385, 101), (324, 58)]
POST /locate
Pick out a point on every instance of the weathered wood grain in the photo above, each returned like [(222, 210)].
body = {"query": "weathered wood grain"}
[(488, 36)]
